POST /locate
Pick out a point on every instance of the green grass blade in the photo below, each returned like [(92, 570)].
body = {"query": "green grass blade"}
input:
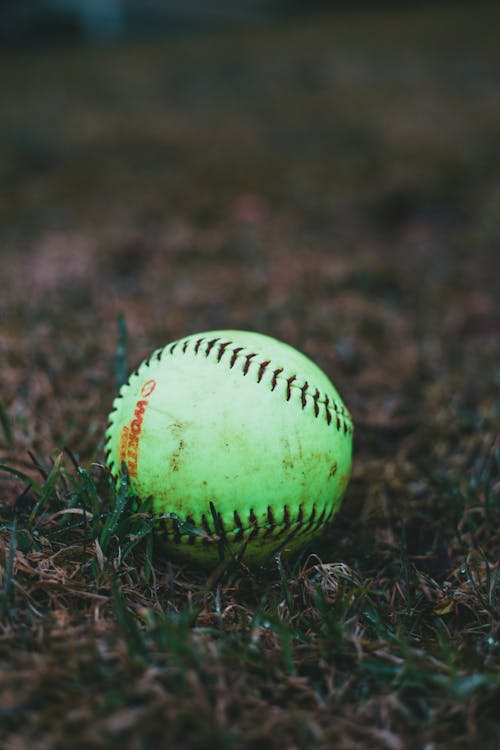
[(21, 475), (47, 488), (138, 536), (9, 568), (90, 489), (4, 421), (117, 512), (130, 630)]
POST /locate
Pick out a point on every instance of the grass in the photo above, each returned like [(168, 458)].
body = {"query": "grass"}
[(335, 184), (383, 647)]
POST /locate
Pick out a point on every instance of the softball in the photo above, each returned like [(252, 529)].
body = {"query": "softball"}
[(242, 442)]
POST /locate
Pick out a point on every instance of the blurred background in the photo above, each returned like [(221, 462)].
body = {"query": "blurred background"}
[(328, 173), (104, 19)]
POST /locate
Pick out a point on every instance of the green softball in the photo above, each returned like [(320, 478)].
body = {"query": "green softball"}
[(242, 442)]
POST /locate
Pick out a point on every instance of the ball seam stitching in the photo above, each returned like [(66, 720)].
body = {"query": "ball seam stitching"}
[(340, 418), (342, 421), (272, 530)]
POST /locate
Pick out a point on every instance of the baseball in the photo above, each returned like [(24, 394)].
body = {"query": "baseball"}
[(242, 442)]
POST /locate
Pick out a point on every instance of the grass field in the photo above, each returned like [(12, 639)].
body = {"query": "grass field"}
[(336, 184)]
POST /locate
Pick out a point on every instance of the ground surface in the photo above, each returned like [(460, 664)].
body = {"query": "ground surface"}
[(335, 184)]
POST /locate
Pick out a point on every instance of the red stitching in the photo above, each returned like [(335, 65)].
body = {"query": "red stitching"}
[(303, 391), (235, 356), (262, 367), (289, 386), (253, 522), (248, 359), (342, 418), (210, 346), (274, 381), (287, 526), (222, 349)]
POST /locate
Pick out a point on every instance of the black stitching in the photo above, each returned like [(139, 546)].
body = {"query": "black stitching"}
[(311, 518), (217, 519), (239, 535), (270, 517), (327, 410), (253, 522), (176, 531), (320, 519), (185, 346), (172, 348), (220, 524), (197, 346), (206, 525), (316, 396), (191, 537)]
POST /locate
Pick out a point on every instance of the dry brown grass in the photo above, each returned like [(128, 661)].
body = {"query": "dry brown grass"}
[(336, 185)]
